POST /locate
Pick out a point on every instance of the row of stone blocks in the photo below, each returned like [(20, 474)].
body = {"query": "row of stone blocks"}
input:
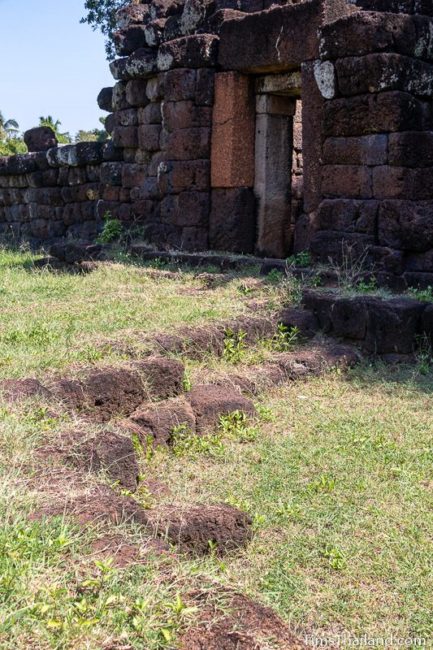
[(381, 326)]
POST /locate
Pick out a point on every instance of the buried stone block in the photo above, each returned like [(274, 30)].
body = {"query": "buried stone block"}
[(393, 325), (427, 325), (202, 529), (210, 402), (305, 322), (106, 451), (16, 390), (161, 422), (100, 504), (121, 390), (382, 326)]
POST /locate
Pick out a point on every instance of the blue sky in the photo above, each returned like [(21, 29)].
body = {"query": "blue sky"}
[(50, 64)]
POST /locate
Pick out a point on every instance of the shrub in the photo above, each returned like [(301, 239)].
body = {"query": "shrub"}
[(111, 231)]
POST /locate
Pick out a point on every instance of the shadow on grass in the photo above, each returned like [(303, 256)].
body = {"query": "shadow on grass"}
[(417, 375)]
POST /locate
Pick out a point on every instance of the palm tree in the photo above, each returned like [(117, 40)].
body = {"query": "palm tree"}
[(63, 138), (8, 128)]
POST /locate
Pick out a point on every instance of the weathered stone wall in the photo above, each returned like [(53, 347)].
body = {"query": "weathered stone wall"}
[(378, 135), (258, 127), (59, 193)]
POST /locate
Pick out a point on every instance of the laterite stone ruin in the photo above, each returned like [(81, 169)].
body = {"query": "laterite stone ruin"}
[(252, 126)]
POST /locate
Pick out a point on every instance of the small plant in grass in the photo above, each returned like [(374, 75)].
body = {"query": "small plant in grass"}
[(425, 295), (265, 413), (285, 338), (234, 346), (367, 286), (137, 444), (299, 260), (244, 289), (185, 443), (259, 521), (324, 483), (42, 417), (178, 614), (213, 547), (335, 557), (111, 231), (158, 263), (144, 448), (240, 504), (288, 511), (186, 382), (236, 426), (424, 355), (274, 276), (352, 267)]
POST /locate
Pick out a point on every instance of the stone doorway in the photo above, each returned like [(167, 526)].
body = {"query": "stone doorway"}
[(278, 184)]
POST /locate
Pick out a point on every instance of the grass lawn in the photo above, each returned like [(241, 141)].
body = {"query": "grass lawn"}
[(336, 474)]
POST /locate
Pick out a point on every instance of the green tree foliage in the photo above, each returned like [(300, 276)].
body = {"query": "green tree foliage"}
[(101, 14), (8, 128), (63, 138), (95, 135), (10, 141)]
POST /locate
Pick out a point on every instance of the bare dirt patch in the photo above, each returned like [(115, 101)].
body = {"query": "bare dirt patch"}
[(117, 549), (123, 553)]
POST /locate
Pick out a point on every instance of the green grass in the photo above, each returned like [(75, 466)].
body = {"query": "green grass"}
[(340, 487), (50, 320), (336, 473)]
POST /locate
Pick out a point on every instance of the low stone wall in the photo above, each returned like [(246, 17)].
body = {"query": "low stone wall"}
[(394, 326), (59, 193)]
